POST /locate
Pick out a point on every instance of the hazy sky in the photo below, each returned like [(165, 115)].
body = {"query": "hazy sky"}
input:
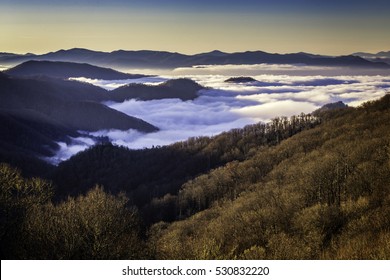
[(316, 26)]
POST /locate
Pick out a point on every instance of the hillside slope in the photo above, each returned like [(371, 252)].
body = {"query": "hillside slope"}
[(321, 194), (148, 173)]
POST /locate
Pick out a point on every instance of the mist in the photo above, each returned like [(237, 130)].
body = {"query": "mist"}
[(223, 106), (113, 84)]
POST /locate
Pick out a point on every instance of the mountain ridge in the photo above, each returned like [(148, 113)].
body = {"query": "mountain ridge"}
[(382, 56), (169, 60)]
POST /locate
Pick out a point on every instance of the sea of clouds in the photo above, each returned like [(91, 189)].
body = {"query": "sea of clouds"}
[(280, 91)]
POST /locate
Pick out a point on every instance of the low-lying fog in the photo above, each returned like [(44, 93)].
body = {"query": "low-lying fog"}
[(282, 90)]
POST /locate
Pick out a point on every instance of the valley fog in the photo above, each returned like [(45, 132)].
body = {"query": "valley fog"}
[(282, 90)]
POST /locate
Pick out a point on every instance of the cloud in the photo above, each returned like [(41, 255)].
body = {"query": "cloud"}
[(276, 69), (113, 84), (267, 111), (67, 150), (223, 106), (247, 69)]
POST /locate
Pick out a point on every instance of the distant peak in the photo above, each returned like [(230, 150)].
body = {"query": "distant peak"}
[(214, 53)]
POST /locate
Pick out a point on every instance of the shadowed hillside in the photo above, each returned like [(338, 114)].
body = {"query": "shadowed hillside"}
[(72, 104)]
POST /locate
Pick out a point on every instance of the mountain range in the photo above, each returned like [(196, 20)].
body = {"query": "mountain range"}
[(375, 57), (162, 59)]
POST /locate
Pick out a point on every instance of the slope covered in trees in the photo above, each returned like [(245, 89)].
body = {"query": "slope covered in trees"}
[(150, 173), (323, 193), (320, 191)]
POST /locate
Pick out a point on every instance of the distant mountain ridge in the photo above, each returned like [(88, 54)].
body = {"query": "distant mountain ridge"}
[(382, 57), (372, 55), (65, 70), (163, 59)]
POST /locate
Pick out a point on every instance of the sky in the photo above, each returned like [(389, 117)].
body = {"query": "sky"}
[(332, 27)]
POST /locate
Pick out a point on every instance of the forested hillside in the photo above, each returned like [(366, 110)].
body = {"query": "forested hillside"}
[(300, 188), (322, 194), (152, 173)]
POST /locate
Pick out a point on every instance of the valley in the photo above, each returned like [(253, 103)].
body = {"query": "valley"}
[(238, 160)]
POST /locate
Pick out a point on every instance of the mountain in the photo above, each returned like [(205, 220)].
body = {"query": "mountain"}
[(215, 53), (382, 54), (382, 57), (159, 59), (386, 54), (70, 103), (65, 70), (184, 89)]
